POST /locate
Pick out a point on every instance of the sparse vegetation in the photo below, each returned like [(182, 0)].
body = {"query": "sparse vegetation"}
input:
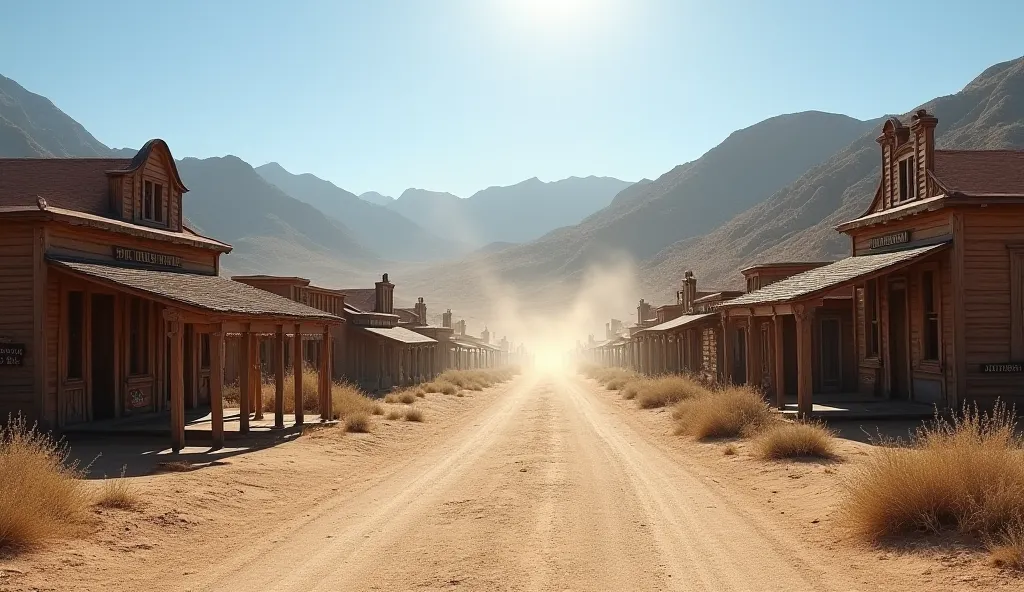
[(357, 423), (632, 388), (730, 449), (666, 390), (795, 440), (413, 414), (476, 380), (613, 379), (441, 386), (175, 466), (395, 414), (965, 474), (348, 400), (42, 496), (722, 413), (118, 493)]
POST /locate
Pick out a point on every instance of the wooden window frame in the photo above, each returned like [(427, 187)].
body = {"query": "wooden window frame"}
[(927, 362), (906, 175), (152, 204)]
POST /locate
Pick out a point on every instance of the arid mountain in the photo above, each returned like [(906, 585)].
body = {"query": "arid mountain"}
[(515, 213), (376, 198), (31, 125), (271, 231), (797, 222), (688, 201), (383, 231)]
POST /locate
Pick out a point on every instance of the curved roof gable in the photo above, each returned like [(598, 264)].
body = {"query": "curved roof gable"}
[(142, 156)]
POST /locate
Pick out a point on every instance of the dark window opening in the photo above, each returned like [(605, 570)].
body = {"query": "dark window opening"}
[(138, 337), (908, 179), (204, 351), (158, 203), (871, 318), (76, 331), (153, 202), (931, 316)]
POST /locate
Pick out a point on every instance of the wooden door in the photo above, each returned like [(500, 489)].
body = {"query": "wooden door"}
[(831, 354), (899, 347), (101, 371)]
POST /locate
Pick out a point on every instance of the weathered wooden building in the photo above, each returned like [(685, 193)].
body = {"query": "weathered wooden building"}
[(930, 307), (112, 306)]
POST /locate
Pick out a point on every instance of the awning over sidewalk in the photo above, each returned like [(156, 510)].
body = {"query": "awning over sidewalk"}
[(676, 323), (830, 277), (400, 335), (206, 292)]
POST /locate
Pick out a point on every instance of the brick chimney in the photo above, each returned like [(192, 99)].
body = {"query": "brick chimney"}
[(385, 296), (643, 311), (446, 318), (421, 311), (460, 327), (689, 292)]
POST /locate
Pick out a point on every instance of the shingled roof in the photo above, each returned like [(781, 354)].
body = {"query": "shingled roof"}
[(829, 277), (207, 292), (981, 172), (361, 299), (400, 334), (680, 321), (75, 183)]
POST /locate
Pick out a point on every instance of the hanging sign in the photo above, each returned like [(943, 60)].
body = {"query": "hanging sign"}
[(888, 240), (12, 354), (1002, 368), (146, 257)]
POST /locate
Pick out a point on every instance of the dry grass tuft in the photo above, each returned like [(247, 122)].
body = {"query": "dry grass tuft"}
[(357, 423), (964, 474), (795, 440), (724, 413), (441, 386), (613, 379), (41, 493), (347, 400), (1007, 551), (395, 414), (476, 380), (413, 414), (666, 390), (632, 388), (118, 493), (310, 392)]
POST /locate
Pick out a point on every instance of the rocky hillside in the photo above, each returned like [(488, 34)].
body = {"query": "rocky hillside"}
[(31, 125), (797, 222)]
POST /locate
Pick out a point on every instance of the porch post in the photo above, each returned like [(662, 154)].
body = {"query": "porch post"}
[(779, 373), (805, 378), (279, 378), (177, 380), (297, 373), (325, 374), (217, 387), (752, 358), (726, 345), (244, 378), (257, 380)]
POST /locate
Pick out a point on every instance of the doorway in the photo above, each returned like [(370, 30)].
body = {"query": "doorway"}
[(899, 350), (101, 344), (831, 354), (739, 357)]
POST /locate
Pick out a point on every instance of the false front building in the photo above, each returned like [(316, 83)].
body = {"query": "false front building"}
[(112, 306), (930, 307)]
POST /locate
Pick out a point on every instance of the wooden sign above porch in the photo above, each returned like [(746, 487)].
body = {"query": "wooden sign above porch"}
[(1002, 368), (888, 240), (146, 257)]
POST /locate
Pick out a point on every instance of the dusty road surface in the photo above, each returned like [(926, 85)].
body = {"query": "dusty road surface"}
[(545, 483), (544, 489)]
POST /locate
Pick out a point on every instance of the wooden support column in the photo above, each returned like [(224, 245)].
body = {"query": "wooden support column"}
[(779, 369), (279, 378), (217, 388), (244, 378), (804, 361), (257, 379), (176, 330), (726, 344), (753, 343), (297, 373), (325, 375)]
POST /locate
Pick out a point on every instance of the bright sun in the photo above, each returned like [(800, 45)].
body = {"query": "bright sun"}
[(556, 13)]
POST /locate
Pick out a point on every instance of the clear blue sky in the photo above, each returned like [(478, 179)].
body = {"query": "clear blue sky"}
[(458, 95)]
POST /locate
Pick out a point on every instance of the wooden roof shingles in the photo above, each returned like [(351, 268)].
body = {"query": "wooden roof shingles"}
[(400, 334), (829, 277), (981, 172), (207, 292), (361, 299), (75, 183)]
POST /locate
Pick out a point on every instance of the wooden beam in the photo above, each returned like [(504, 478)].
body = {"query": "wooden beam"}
[(779, 371), (753, 343), (279, 378), (804, 361), (177, 334), (217, 388), (244, 376), (297, 375)]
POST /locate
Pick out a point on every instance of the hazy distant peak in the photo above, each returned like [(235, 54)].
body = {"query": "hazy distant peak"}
[(272, 166), (376, 198)]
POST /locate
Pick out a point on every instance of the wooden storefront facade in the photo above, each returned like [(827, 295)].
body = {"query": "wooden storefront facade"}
[(113, 306)]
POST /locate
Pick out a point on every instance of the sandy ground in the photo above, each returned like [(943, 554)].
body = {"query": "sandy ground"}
[(545, 483)]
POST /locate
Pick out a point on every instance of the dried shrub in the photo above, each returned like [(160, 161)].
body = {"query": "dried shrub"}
[(666, 390), (477, 380), (310, 392), (730, 449), (441, 386), (175, 466), (118, 493), (357, 423), (395, 414), (347, 400), (724, 413), (42, 496), (413, 414), (964, 474), (1007, 549), (795, 440)]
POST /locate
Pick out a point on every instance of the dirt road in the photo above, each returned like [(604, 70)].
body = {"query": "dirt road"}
[(544, 489)]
